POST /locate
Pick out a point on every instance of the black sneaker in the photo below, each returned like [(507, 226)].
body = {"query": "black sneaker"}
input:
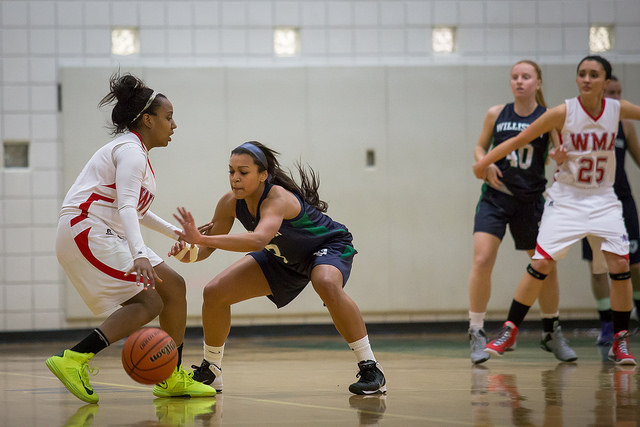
[(208, 373), (371, 379)]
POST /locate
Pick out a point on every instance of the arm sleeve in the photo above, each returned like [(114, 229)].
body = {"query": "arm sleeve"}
[(158, 224), (130, 163)]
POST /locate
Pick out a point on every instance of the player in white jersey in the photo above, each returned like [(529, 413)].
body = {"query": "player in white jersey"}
[(100, 246), (581, 202)]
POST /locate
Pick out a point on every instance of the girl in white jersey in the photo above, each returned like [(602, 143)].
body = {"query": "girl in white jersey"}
[(581, 202), (100, 246)]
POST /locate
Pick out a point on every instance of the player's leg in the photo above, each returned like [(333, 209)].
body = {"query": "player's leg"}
[(241, 281), (485, 252), (526, 294), (553, 340), (173, 319), (621, 305), (327, 281)]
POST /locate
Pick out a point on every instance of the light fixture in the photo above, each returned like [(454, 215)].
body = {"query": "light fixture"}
[(444, 39), (600, 38), (125, 41), (286, 41)]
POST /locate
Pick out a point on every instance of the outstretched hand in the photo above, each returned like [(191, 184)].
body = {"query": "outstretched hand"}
[(190, 233)]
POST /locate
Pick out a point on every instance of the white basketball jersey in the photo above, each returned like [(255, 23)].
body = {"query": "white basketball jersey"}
[(590, 143), (94, 190)]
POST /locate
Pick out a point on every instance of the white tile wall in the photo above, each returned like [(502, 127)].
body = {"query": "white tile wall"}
[(14, 13), (523, 13), (444, 13), (549, 13), (366, 14), (17, 269), (96, 13), (42, 13), (69, 14), (419, 13), (17, 184), (15, 70), (340, 14), (42, 41), (45, 267), (39, 36), (627, 12), (285, 13), (602, 11), (179, 14), (15, 126), (15, 98), (261, 15), (313, 15)]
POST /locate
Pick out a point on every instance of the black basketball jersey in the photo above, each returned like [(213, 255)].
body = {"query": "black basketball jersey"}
[(523, 169), (298, 238), (621, 185)]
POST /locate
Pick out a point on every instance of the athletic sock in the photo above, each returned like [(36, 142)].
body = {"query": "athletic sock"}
[(620, 320), (476, 320), (605, 315), (517, 312), (214, 354), (362, 349), (180, 355), (549, 321), (92, 343)]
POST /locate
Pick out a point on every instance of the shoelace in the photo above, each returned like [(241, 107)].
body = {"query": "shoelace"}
[(86, 370), (505, 334), (367, 374), (622, 345)]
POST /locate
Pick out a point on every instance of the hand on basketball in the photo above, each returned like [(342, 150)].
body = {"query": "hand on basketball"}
[(190, 233), (145, 274)]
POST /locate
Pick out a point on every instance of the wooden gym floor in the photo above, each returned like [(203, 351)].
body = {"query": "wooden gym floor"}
[(303, 381)]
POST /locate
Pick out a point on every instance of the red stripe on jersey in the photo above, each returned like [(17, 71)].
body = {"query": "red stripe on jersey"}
[(542, 252), (82, 241), (84, 206), (145, 149), (595, 119)]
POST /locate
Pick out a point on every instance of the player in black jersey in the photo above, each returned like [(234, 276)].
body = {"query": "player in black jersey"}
[(290, 241), (512, 195), (627, 140)]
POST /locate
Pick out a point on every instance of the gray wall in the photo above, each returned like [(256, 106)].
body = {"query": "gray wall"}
[(411, 214)]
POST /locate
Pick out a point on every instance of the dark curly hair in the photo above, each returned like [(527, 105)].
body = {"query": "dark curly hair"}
[(131, 95)]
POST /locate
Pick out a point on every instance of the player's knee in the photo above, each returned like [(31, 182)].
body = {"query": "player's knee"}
[(620, 276), (535, 273)]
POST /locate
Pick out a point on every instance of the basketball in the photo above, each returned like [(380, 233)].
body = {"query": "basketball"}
[(149, 356)]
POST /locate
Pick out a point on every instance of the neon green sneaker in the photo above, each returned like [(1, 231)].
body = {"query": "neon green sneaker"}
[(180, 383), (71, 368)]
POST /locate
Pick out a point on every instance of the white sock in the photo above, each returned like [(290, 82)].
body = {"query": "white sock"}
[(362, 349), (214, 354), (476, 320)]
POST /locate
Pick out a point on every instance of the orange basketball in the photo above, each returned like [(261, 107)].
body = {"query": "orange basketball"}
[(149, 356)]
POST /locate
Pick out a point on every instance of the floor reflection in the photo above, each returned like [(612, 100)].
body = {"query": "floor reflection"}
[(617, 396)]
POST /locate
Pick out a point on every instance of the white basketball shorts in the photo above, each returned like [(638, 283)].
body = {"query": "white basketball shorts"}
[(96, 261), (572, 213)]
